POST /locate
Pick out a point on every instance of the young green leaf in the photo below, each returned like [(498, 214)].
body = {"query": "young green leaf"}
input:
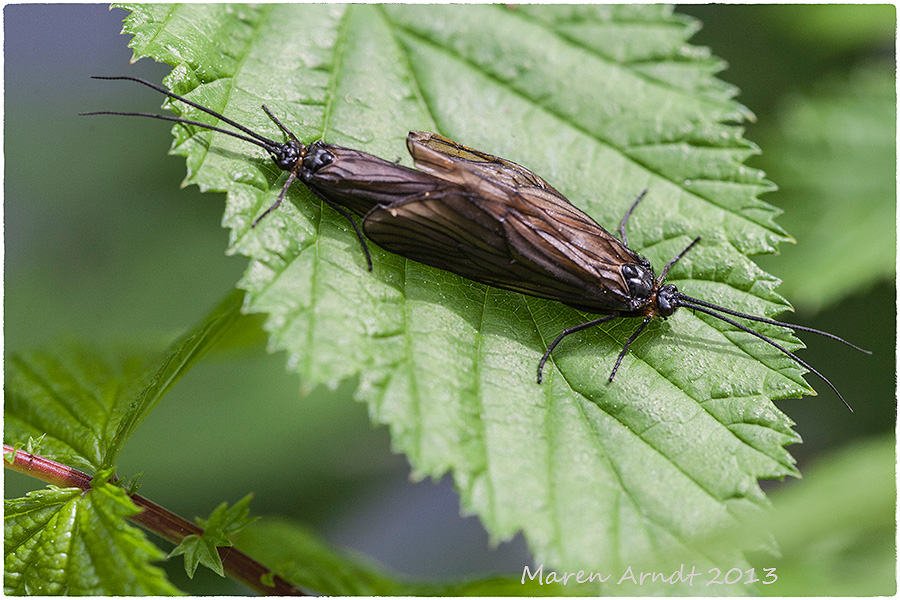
[(65, 541), (32, 446), (200, 550), (603, 102), (226, 521), (223, 523)]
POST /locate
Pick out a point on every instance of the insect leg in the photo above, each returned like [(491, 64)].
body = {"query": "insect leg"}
[(633, 337), (275, 205), (332, 204), (349, 217), (622, 235), (564, 333)]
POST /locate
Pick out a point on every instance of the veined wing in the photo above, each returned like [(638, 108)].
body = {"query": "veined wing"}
[(564, 233), (561, 239), (448, 160), (514, 232)]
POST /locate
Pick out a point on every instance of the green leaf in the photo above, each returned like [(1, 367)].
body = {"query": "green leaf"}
[(74, 395), (199, 550), (226, 521), (180, 357), (834, 156), (602, 101), (223, 523), (88, 402), (66, 541), (302, 559)]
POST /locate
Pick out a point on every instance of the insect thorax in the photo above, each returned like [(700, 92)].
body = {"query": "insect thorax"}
[(316, 157), (639, 278)]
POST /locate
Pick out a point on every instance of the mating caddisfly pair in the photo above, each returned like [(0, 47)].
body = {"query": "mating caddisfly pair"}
[(487, 219)]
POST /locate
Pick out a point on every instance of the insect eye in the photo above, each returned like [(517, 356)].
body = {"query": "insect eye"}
[(287, 156), (316, 158), (666, 300)]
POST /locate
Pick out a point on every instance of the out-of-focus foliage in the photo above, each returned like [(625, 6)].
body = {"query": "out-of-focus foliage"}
[(835, 29), (834, 152), (835, 529)]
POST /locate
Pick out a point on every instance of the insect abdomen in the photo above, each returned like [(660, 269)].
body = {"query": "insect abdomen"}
[(360, 181)]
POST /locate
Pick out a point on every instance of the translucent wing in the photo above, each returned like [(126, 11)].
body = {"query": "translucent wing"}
[(451, 161), (497, 223)]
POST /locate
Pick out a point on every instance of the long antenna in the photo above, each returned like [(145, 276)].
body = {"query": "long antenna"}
[(287, 156), (264, 145), (682, 297), (767, 340), (208, 111)]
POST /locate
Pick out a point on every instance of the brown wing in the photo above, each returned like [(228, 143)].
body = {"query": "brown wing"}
[(448, 160), (512, 231)]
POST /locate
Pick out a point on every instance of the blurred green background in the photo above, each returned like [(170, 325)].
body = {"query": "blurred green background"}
[(102, 245)]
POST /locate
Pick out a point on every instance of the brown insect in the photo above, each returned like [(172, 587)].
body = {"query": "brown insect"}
[(489, 220)]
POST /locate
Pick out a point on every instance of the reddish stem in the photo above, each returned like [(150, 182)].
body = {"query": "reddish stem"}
[(154, 518)]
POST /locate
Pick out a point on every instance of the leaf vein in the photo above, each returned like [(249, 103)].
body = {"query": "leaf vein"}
[(575, 126)]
